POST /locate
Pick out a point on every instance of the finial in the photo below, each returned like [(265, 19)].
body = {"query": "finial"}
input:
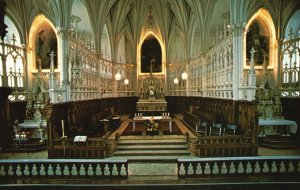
[(252, 51), (291, 33), (13, 39), (52, 54)]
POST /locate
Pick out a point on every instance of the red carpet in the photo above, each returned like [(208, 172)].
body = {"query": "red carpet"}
[(164, 127)]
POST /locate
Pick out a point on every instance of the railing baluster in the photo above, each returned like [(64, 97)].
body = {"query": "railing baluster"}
[(231, 166)]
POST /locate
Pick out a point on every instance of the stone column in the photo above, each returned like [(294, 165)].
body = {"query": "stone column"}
[(5, 136), (238, 30), (63, 61)]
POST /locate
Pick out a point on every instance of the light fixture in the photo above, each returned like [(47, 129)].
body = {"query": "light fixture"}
[(176, 80), (126, 81), (118, 77), (184, 75)]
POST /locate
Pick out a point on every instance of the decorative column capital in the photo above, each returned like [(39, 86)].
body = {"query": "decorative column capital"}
[(62, 32), (238, 28)]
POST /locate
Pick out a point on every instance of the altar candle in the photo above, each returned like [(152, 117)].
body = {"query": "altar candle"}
[(62, 128)]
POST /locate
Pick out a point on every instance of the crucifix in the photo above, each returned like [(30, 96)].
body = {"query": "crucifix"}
[(151, 69)]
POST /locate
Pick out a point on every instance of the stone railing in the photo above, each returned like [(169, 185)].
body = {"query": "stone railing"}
[(64, 168), (277, 166)]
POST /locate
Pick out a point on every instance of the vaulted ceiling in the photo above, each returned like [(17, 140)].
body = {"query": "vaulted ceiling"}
[(195, 22), (169, 17)]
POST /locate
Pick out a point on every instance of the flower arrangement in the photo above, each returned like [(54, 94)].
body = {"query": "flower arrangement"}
[(151, 125)]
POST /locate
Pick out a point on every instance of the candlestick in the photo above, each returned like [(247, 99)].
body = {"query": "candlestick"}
[(62, 128)]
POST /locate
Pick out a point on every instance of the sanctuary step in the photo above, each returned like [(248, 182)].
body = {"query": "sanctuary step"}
[(279, 142), (152, 148)]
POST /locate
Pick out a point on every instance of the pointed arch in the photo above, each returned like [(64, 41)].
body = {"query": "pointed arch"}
[(263, 17), (163, 52), (106, 43), (38, 22)]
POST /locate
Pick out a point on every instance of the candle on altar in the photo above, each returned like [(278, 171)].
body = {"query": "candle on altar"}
[(62, 128)]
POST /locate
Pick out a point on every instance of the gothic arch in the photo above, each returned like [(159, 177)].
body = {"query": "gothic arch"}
[(37, 24), (106, 43), (264, 19), (163, 53)]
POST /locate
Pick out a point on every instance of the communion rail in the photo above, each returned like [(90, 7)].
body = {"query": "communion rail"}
[(63, 169), (230, 167)]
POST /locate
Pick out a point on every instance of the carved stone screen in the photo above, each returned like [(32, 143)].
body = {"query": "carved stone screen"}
[(151, 55)]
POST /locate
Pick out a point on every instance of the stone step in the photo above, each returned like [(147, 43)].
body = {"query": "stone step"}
[(151, 141), (150, 152), (155, 137), (152, 147), (152, 159)]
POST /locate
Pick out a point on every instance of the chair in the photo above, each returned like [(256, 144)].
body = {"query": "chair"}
[(232, 127), (201, 127), (216, 129)]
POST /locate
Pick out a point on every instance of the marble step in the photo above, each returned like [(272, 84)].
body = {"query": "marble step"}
[(152, 147), (149, 137), (150, 152), (152, 159), (149, 142)]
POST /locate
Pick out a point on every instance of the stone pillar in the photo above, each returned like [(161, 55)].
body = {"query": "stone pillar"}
[(238, 30), (5, 131), (63, 61)]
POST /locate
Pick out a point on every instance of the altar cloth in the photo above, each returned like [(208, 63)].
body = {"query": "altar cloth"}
[(292, 125)]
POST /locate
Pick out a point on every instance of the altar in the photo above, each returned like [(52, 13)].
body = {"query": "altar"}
[(145, 106), (281, 127), (164, 118), (151, 95)]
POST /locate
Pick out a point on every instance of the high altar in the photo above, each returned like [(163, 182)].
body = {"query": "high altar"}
[(151, 95)]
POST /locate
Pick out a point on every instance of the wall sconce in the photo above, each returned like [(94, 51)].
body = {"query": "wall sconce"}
[(126, 81), (118, 77), (176, 80), (184, 77)]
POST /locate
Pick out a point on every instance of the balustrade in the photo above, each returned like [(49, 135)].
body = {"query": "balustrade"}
[(277, 166), (66, 168)]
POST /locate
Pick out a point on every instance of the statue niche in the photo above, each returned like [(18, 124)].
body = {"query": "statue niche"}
[(150, 51), (257, 39), (46, 42)]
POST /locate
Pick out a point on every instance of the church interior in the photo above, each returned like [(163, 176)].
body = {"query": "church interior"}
[(149, 94)]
